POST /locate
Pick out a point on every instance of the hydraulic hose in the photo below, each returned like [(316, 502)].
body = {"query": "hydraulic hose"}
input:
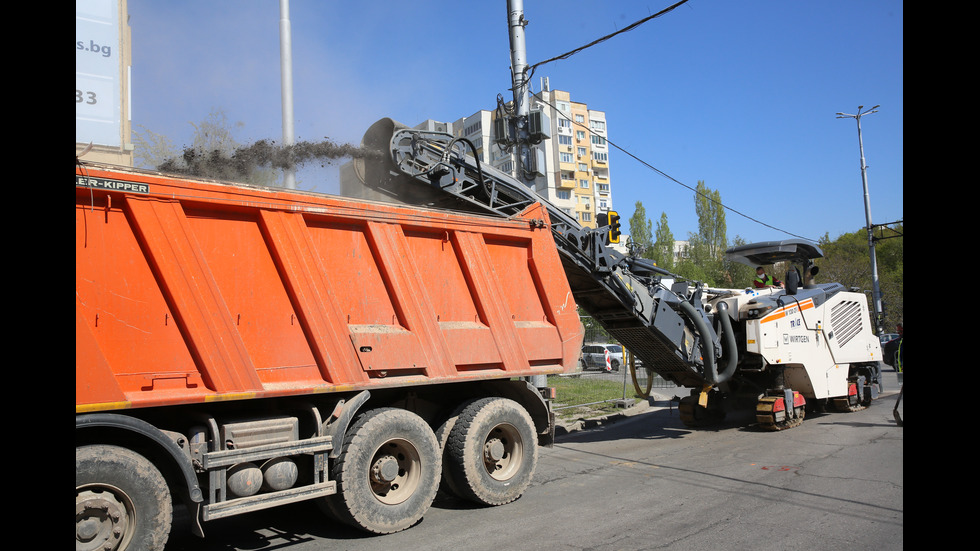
[(707, 346), (729, 344)]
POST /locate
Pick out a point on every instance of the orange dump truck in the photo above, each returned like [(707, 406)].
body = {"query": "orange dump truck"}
[(239, 347)]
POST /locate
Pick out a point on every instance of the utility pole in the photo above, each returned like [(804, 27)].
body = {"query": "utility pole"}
[(876, 291), (518, 67), (286, 61)]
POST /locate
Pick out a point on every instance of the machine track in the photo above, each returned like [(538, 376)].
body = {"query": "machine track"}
[(773, 415), (850, 403), (695, 415)]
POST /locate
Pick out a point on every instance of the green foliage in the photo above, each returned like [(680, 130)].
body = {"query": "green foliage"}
[(711, 221), (641, 231), (578, 391), (847, 260), (594, 332), (704, 260), (737, 275), (663, 247)]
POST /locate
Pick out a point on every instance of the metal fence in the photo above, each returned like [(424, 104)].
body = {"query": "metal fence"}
[(596, 387)]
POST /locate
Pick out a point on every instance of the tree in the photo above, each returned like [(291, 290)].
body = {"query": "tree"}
[(736, 274), (704, 261), (213, 153), (151, 149), (711, 220), (847, 261), (663, 247), (641, 231)]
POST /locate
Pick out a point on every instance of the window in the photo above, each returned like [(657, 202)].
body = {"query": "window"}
[(579, 118), (585, 199), (564, 123), (564, 140), (583, 183), (600, 157), (581, 152), (585, 216), (565, 157), (580, 134), (472, 129), (582, 167), (602, 187), (563, 194), (597, 125), (598, 140)]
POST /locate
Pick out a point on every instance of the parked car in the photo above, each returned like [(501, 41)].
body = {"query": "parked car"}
[(889, 346), (594, 356)]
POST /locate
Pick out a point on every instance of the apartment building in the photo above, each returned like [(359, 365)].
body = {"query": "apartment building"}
[(570, 169), (580, 182)]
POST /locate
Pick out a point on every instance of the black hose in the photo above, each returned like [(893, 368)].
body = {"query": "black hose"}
[(729, 345), (707, 346)]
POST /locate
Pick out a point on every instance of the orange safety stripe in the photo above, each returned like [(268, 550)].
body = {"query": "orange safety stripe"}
[(781, 312)]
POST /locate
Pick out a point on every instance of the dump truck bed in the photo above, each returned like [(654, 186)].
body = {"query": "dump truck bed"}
[(189, 291)]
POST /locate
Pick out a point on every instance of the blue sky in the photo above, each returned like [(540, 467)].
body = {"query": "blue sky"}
[(742, 95)]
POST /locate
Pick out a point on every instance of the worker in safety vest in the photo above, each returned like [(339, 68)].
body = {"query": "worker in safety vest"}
[(762, 280), (898, 353)]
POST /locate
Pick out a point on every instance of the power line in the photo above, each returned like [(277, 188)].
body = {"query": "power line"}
[(678, 182), (726, 207), (530, 69)]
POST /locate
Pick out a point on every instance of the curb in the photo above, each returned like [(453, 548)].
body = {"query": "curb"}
[(653, 403)]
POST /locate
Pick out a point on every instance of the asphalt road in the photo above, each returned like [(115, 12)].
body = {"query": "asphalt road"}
[(644, 481)]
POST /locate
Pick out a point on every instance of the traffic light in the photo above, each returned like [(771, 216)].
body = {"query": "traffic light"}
[(614, 229)]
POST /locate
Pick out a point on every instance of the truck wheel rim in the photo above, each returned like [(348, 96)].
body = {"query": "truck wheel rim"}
[(395, 471), (503, 452), (102, 518)]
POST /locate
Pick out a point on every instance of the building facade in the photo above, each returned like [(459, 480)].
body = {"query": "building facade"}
[(570, 169), (579, 181), (102, 61)]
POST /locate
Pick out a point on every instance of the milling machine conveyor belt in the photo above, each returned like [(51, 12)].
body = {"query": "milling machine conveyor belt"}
[(666, 328)]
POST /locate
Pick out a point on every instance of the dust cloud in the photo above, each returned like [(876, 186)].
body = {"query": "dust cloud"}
[(246, 161)]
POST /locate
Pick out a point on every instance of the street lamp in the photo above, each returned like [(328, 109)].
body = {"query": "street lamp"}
[(876, 296)]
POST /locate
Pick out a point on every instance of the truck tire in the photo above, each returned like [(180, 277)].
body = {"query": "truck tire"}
[(121, 501), (492, 452), (388, 472), (447, 485)]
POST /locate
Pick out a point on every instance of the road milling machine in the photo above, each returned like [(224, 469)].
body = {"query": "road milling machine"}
[(778, 350)]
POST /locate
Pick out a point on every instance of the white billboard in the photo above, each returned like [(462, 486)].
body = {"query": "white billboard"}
[(98, 105)]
